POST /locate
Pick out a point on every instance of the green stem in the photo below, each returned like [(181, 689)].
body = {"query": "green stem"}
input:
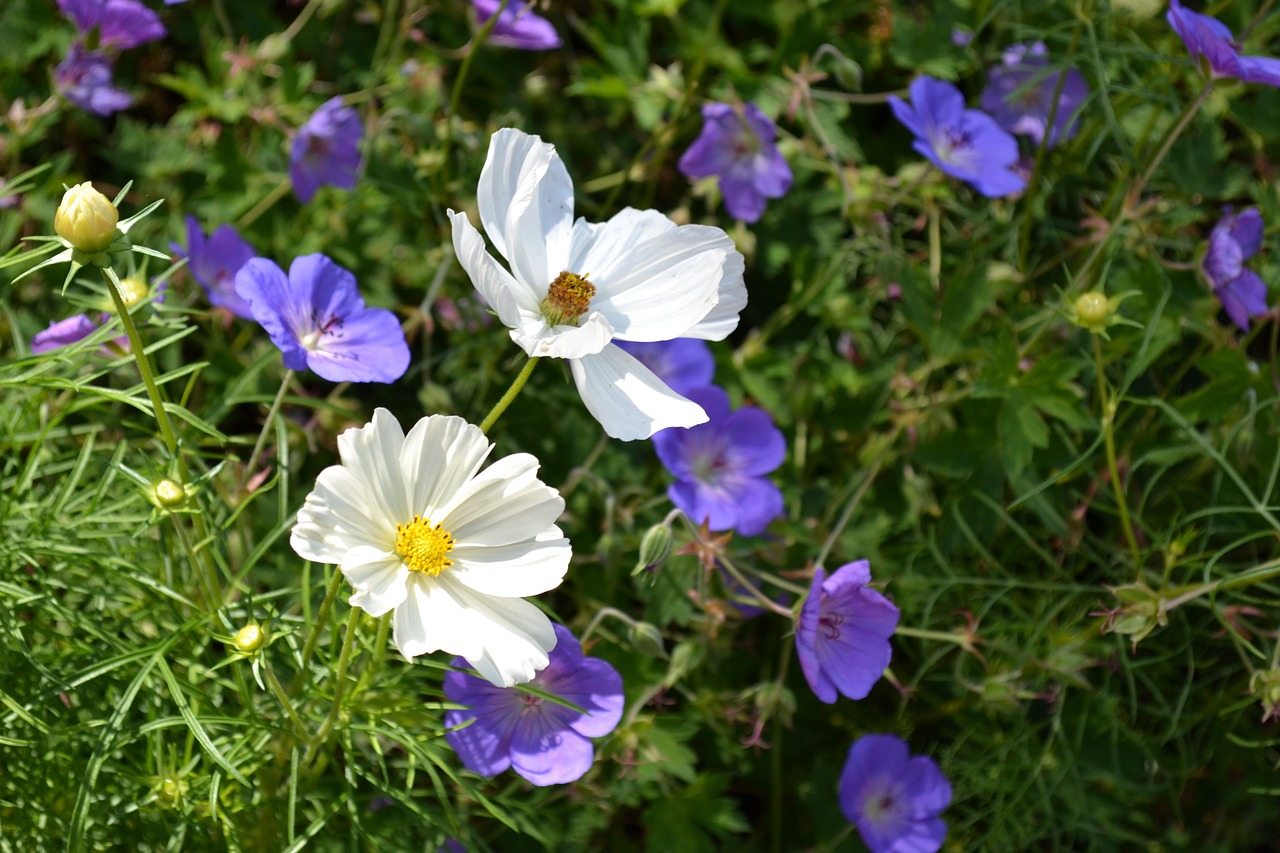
[(751, 589), (301, 21), (280, 191), (516, 385), (379, 652), (455, 96), (266, 425), (855, 500), (144, 364), (283, 699), (1107, 415), (1170, 138), (339, 687), (335, 583), (940, 636)]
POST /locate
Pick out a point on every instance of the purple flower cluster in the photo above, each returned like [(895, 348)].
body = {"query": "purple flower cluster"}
[(894, 799), (84, 76), (316, 316), (978, 146), (326, 150), (545, 742), (738, 146), (1235, 239)]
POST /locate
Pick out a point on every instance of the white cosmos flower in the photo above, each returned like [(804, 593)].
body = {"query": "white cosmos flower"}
[(576, 286), (416, 527)]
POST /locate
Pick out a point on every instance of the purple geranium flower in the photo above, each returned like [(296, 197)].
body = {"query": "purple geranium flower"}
[(318, 320), (842, 636), (84, 79), (1210, 38), (121, 24), (738, 146), (682, 364), (69, 331), (1235, 239), (517, 26), (546, 743), (892, 798), (966, 144), (214, 263), (326, 150), (720, 465), (1019, 95)]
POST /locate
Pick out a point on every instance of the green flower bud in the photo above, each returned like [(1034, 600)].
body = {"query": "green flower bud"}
[(647, 640), (170, 493), (249, 639), (133, 290), (1092, 310), (655, 548), (86, 219)]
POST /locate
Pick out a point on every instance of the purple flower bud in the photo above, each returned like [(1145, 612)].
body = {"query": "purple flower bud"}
[(326, 150)]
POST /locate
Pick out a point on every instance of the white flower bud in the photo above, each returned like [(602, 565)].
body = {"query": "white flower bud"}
[(86, 219)]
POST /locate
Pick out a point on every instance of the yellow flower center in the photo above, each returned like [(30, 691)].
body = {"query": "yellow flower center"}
[(567, 298), (422, 547)]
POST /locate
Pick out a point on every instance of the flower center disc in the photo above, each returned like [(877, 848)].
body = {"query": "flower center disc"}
[(567, 298), (422, 547)]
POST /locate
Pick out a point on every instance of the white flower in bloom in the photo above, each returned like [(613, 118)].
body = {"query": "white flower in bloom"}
[(416, 527), (574, 287)]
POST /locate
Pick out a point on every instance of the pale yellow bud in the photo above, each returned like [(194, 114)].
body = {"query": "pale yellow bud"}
[(1093, 309), (249, 639), (170, 493), (86, 219), (133, 290)]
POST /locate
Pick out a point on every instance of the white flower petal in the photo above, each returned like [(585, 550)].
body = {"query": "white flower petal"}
[(526, 206), (516, 303), (723, 318), (568, 341), (512, 571), (372, 454), (339, 514), (505, 639), (439, 454), (627, 399), (379, 579), (506, 503), (664, 285), (600, 246)]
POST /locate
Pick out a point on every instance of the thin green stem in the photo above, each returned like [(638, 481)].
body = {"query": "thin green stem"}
[(144, 364), (379, 652), (941, 636), (516, 385), (751, 589), (280, 191), (339, 687), (855, 500), (1107, 415), (283, 699), (1170, 138), (455, 96), (301, 21), (266, 425), (308, 648)]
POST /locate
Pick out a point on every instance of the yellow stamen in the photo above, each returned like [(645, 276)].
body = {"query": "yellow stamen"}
[(567, 298), (422, 547)]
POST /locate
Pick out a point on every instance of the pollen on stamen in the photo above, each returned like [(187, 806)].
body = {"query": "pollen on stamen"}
[(423, 547), (567, 298)]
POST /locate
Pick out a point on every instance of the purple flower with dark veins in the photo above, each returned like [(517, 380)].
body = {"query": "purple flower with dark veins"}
[(1019, 95), (84, 79), (517, 26), (326, 150), (738, 146), (545, 742), (683, 364), (214, 263), (122, 24), (893, 798), (1235, 239), (721, 465), (1211, 39), (318, 320), (842, 636), (966, 144)]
